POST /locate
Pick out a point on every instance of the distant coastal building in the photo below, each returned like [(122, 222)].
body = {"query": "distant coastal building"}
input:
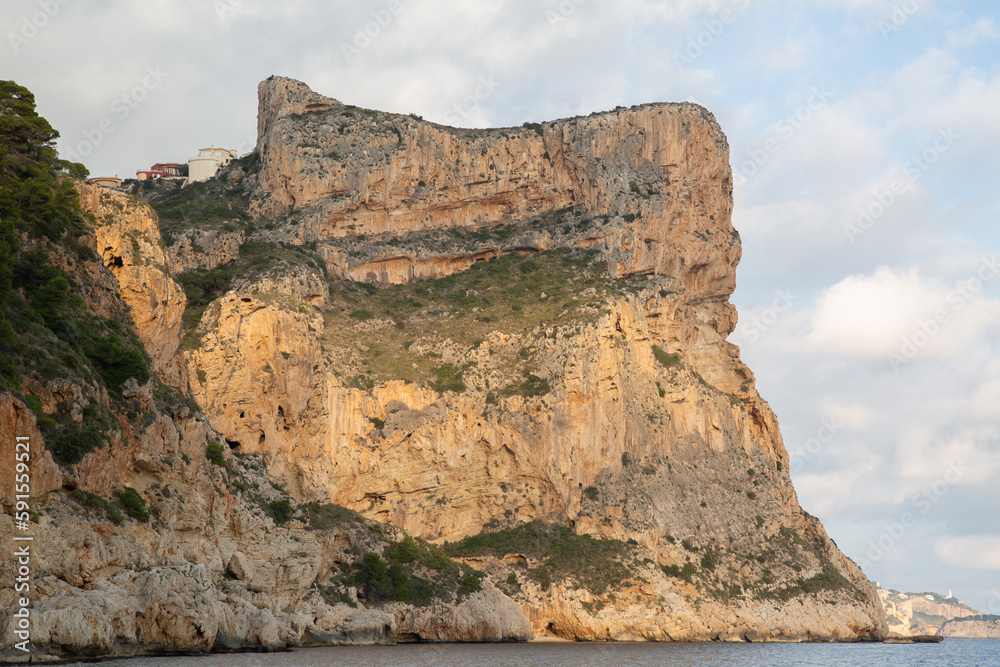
[(161, 170), (105, 181), (209, 161)]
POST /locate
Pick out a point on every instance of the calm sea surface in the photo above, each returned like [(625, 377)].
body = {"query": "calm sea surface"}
[(951, 652)]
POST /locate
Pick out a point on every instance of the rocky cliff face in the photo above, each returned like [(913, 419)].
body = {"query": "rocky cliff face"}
[(128, 242), (146, 544), (911, 614), (509, 342), (976, 627), (425, 403)]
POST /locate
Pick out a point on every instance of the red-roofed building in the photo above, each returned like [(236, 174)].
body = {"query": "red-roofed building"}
[(161, 170)]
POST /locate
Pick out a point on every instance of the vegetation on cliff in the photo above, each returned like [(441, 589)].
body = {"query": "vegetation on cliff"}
[(47, 330), (561, 554), (211, 204), (513, 293), (408, 571), (403, 570)]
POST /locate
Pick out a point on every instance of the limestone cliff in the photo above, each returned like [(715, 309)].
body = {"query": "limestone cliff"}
[(926, 614), (509, 343), (129, 244), (974, 627), (599, 392), (146, 535)]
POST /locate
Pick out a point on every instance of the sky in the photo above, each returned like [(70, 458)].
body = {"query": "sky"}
[(864, 136)]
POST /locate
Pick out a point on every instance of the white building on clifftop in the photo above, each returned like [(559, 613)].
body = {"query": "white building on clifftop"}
[(209, 161)]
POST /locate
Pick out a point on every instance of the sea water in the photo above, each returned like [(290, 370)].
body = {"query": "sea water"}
[(950, 652)]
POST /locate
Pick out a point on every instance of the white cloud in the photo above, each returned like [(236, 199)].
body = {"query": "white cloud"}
[(984, 29), (973, 551), (895, 312), (866, 316), (849, 416), (985, 401)]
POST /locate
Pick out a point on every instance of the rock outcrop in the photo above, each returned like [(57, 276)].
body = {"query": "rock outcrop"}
[(911, 614), (975, 627), (205, 249), (129, 244)]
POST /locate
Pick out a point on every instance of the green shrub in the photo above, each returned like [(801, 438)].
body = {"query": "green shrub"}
[(280, 511), (674, 571), (591, 492), (665, 358), (35, 403), (534, 386), (116, 363), (449, 379), (216, 454), (74, 443), (594, 564), (471, 583), (406, 551), (327, 515), (374, 571), (135, 506), (94, 501), (362, 314)]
